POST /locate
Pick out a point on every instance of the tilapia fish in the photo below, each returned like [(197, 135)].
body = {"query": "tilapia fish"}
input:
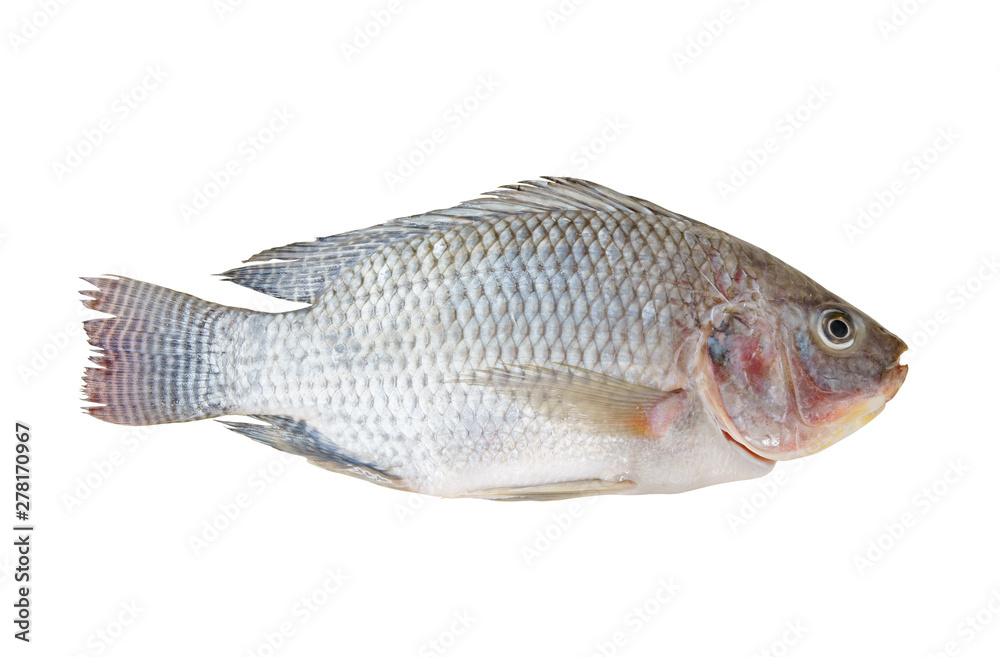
[(550, 340)]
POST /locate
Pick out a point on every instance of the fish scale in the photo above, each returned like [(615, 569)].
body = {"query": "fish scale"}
[(471, 302), (549, 341)]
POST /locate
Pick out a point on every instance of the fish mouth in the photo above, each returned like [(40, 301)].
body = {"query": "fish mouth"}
[(864, 412), (892, 379)]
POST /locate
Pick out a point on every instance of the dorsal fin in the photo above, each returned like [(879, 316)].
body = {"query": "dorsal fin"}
[(301, 271), (555, 194)]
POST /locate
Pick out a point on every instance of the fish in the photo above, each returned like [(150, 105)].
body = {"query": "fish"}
[(550, 339)]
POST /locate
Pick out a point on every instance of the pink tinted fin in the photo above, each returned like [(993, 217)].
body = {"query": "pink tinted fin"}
[(601, 402), (154, 354)]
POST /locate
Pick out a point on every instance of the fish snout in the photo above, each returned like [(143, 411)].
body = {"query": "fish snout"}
[(892, 379)]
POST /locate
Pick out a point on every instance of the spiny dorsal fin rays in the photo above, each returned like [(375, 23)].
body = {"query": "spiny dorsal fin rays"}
[(550, 194), (556, 193), (301, 271), (598, 401)]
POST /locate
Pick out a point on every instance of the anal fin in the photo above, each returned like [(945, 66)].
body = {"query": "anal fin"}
[(367, 473), (562, 490), (297, 437)]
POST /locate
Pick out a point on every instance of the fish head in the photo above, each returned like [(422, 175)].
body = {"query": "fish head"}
[(793, 378)]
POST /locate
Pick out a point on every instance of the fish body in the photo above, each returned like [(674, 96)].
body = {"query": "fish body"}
[(553, 339)]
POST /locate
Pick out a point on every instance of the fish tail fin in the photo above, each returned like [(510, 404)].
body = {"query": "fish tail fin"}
[(156, 361)]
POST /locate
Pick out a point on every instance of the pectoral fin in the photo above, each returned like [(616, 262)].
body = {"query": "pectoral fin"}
[(562, 490), (601, 402)]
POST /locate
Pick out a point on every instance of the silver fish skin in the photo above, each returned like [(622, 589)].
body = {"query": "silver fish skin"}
[(552, 339)]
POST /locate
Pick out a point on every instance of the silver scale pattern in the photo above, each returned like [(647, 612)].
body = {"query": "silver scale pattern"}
[(376, 365)]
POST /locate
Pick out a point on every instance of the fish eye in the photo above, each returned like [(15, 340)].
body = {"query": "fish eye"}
[(836, 329)]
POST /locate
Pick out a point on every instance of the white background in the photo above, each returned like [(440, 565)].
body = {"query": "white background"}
[(885, 544)]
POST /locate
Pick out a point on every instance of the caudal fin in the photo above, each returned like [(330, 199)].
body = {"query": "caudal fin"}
[(155, 360)]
